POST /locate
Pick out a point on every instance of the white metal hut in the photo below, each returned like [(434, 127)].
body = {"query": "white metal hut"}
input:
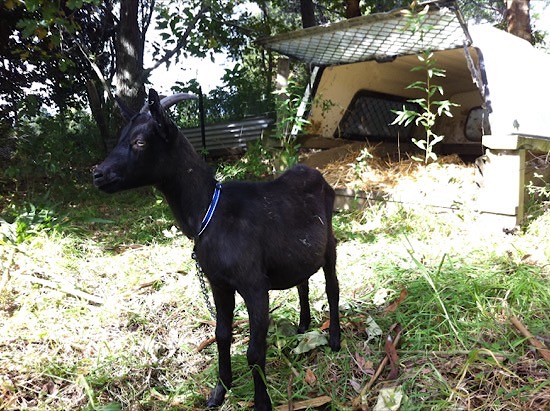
[(362, 66)]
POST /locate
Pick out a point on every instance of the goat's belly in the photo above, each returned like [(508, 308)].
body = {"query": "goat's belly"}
[(285, 282), (288, 273), (296, 258)]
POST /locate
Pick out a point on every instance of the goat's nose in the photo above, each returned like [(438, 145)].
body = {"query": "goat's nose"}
[(96, 172)]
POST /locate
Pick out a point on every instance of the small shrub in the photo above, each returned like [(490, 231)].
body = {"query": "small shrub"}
[(47, 148), (29, 223)]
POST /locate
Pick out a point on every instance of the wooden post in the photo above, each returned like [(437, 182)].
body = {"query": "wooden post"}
[(503, 183), (503, 190), (281, 82)]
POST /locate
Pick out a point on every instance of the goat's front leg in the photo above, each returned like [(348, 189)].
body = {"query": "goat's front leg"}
[(225, 305), (333, 293), (305, 313), (257, 303)]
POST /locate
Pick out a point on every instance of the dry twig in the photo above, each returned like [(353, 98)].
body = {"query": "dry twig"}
[(541, 348)]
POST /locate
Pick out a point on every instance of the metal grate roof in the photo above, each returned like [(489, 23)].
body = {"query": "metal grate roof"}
[(380, 36)]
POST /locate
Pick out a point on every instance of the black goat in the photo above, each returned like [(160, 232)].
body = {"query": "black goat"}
[(261, 236)]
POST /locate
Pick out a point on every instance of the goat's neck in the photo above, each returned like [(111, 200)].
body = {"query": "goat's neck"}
[(189, 189)]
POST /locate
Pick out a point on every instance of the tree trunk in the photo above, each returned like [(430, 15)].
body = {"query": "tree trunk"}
[(308, 13), (352, 9), (518, 20), (129, 80)]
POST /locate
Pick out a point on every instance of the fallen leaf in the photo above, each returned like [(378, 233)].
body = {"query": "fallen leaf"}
[(389, 399), (325, 326), (395, 303), (364, 365), (356, 385), (373, 329), (49, 388), (310, 341), (391, 352), (310, 378), (380, 296)]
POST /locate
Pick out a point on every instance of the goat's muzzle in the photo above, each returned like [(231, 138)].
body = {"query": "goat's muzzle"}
[(104, 180)]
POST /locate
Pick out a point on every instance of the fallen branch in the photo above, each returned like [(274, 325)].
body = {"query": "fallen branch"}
[(359, 399), (212, 340), (289, 392), (205, 343), (64, 288), (303, 405), (545, 352)]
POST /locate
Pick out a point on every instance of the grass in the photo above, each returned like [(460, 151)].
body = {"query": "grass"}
[(136, 348)]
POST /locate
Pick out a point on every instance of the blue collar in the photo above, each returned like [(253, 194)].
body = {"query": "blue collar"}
[(211, 209)]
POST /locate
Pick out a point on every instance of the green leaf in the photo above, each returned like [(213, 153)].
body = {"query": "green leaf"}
[(436, 139), (112, 406), (417, 100), (32, 5), (424, 11), (27, 27), (420, 85), (421, 144)]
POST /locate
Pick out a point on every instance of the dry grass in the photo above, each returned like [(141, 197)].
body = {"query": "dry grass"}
[(369, 169)]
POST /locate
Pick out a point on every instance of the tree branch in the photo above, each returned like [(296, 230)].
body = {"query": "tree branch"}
[(95, 68), (65, 288), (181, 42)]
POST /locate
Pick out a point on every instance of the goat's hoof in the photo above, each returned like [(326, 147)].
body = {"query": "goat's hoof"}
[(334, 344), (263, 406), (216, 397)]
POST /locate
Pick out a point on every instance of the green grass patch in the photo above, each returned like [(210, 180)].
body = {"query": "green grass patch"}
[(100, 310)]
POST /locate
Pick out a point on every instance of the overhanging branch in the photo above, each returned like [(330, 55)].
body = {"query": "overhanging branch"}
[(181, 43)]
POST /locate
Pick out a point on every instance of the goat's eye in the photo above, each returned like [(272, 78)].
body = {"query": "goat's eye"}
[(139, 143)]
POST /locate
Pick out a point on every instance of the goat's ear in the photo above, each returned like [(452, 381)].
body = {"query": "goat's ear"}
[(167, 127), (127, 114)]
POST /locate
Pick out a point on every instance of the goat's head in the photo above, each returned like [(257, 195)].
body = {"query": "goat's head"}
[(145, 145)]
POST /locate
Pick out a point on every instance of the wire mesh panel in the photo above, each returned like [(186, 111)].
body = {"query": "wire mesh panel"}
[(370, 116), (380, 36)]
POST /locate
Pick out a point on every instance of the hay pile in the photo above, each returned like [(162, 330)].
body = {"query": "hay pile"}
[(378, 170)]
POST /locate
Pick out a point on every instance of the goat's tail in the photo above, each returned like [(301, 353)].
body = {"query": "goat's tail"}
[(329, 197)]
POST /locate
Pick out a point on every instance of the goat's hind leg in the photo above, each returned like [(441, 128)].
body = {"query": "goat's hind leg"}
[(305, 313), (257, 304), (225, 305)]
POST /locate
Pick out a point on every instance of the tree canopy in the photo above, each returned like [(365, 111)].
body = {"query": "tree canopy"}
[(77, 53)]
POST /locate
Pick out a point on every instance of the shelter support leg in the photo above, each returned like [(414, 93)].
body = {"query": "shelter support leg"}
[(503, 183)]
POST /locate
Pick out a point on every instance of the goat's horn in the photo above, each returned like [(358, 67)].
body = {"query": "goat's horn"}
[(169, 101)]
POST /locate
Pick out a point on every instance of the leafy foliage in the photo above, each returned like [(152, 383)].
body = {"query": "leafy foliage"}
[(39, 47), (52, 147), (29, 223)]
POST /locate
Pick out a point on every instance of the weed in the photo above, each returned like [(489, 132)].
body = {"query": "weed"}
[(257, 163), (431, 108)]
